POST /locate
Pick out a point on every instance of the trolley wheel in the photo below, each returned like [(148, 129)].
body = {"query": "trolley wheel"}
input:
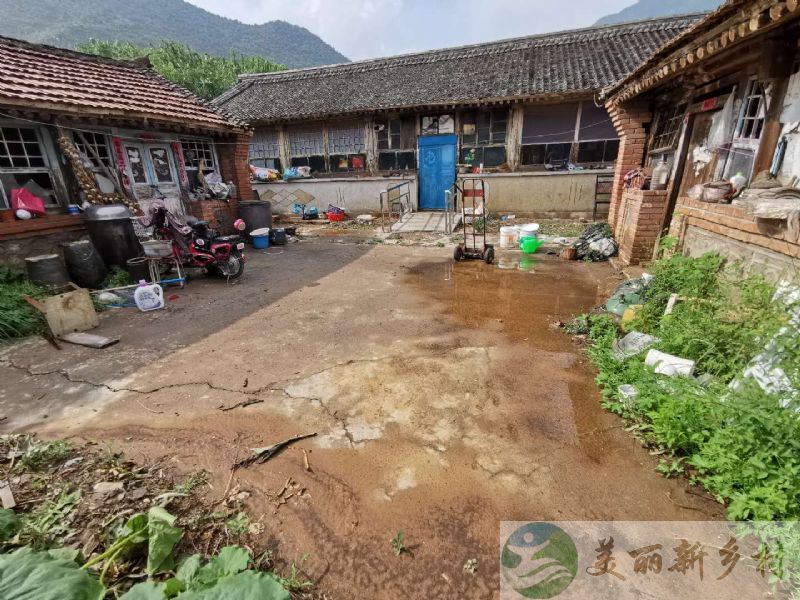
[(458, 253), (488, 255)]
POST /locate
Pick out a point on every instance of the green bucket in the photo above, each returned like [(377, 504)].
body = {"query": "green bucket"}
[(529, 245)]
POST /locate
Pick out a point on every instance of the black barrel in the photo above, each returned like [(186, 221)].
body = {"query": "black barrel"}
[(84, 264), (256, 214), (111, 230), (47, 270), (138, 269)]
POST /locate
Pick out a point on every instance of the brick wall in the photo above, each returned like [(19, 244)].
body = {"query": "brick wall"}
[(734, 222), (640, 220), (233, 164), (631, 121), (219, 214)]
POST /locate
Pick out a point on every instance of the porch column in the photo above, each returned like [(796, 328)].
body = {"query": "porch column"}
[(630, 120), (514, 136)]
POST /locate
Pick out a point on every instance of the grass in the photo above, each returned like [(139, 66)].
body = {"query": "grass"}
[(17, 317)]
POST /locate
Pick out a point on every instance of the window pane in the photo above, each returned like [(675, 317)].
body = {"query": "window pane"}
[(612, 149), (195, 151), (589, 152), (595, 123), (16, 154), (533, 154), (494, 156), (387, 161), (472, 156), (346, 139), (407, 160), (306, 142)]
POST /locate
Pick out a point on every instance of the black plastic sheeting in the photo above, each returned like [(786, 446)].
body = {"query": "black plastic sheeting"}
[(84, 264)]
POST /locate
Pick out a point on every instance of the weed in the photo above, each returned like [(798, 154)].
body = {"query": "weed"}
[(238, 525), (471, 566), (117, 277), (17, 317), (192, 482), (670, 468), (398, 544), (49, 522), (38, 455), (296, 581)]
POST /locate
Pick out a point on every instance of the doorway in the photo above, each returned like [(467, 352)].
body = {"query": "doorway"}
[(437, 169)]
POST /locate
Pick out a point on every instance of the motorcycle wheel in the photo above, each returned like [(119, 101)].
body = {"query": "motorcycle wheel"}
[(230, 269)]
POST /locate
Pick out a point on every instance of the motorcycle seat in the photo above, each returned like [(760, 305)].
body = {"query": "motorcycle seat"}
[(194, 222), (229, 239)]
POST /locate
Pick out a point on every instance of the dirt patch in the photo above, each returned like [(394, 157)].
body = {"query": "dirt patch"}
[(443, 400)]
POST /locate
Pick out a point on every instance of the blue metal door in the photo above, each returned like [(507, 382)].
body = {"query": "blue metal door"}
[(437, 169)]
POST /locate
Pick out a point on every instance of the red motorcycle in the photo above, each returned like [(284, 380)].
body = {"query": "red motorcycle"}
[(195, 244)]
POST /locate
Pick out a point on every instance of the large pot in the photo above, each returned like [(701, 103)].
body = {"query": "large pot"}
[(111, 230)]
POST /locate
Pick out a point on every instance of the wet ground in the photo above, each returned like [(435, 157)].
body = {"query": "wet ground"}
[(442, 398)]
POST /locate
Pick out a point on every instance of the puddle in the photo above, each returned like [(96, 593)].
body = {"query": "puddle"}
[(480, 295)]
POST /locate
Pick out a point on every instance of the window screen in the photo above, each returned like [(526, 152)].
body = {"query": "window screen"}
[(595, 123), (306, 143), (265, 150), (549, 123)]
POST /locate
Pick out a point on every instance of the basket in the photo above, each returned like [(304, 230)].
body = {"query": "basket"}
[(335, 216), (157, 248)]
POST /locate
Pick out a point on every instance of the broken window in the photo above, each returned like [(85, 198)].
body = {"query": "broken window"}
[(438, 124), (94, 149), (196, 151), (598, 143), (545, 154), (598, 151), (346, 148), (397, 141), (265, 150), (668, 126), (751, 117), (308, 149), (24, 163)]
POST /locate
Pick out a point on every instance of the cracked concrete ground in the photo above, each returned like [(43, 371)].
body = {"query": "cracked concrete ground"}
[(442, 399)]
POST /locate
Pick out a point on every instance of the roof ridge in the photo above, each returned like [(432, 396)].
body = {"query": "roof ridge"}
[(494, 44), (135, 63)]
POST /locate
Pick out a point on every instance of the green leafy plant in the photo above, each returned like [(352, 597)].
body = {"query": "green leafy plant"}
[(238, 524), (192, 482), (49, 522), (17, 317), (117, 277), (47, 575), (154, 528), (10, 524), (398, 544)]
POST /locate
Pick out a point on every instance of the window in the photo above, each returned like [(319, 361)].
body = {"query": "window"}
[(195, 151), (598, 151), (265, 150), (545, 154), (307, 149), (346, 148), (484, 127), (93, 148), (751, 117), (488, 156), (23, 163), (437, 124), (397, 140), (668, 125)]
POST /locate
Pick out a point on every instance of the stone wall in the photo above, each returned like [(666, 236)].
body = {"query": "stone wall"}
[(15, 250)]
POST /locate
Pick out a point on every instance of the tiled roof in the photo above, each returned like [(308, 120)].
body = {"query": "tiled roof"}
[(568, 62), (36, 76)]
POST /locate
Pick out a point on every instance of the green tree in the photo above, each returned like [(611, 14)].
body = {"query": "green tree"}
[(204, 74)]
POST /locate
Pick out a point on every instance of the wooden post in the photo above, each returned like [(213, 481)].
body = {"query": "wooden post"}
[(514, 136)]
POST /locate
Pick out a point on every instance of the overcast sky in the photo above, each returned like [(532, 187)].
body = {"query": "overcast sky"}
[(371, 28)]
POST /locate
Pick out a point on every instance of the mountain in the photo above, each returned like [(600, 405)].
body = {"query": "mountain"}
[(648, 9), (66, 23)]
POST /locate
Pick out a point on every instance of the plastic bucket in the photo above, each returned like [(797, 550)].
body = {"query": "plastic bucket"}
[(508, 237), (529, 244), (260, 238)]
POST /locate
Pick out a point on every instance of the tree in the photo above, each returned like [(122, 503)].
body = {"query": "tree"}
[(204, 74)]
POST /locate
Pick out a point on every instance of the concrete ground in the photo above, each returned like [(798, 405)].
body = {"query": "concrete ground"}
[(442, 398)]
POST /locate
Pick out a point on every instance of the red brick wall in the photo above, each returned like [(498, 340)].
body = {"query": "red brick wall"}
[(233, 163), (219, 214), (640, 219), (734, 222), (630, 120)]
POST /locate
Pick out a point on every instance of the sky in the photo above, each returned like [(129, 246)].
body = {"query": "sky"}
[(371, 28)]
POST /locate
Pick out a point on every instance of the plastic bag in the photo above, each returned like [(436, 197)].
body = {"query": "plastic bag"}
[(25, 200)]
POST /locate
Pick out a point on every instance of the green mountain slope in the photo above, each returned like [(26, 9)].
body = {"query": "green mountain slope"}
[(648, 9), (66, 23)]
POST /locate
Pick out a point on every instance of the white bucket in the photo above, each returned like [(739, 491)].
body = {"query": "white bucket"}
[(508, 237), (529, 230)]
